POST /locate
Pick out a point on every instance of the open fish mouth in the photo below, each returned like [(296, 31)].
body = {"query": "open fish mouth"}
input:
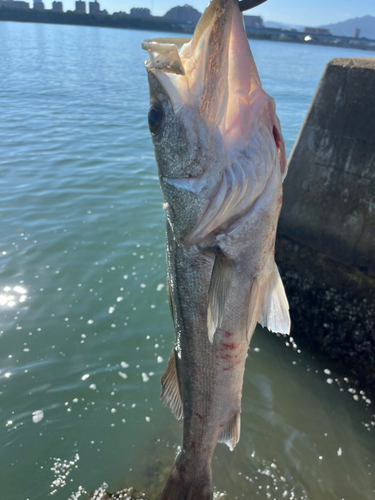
[(196, 70), (213, 76)]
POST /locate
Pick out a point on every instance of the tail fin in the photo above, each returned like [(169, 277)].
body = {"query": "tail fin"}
[(179, 488)]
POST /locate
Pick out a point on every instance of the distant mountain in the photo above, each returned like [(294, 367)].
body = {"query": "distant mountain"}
[(274, 24), (366, 24)]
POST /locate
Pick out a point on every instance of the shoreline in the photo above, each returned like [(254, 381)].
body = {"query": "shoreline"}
[(126, 21)]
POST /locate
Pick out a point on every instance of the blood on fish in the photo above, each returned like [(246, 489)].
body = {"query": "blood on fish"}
[(227, 334), (199, 416), (225, 356), (228, 346)]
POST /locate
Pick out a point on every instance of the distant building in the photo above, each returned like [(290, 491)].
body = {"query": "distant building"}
[(57, 6), (356, 33), (253, 22), (80, 7), (94, 7), (120, 14), (38, 5), (317, 31), (140, 12), (184, 14), (14, 5)]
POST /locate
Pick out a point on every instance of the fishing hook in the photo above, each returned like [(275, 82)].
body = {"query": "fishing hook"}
[(249, 4)]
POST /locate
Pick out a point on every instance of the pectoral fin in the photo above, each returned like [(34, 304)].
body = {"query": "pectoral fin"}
[(275, 308), (221, 278), (170, 388), (231, 434)]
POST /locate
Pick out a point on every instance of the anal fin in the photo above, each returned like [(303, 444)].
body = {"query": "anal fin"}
[(221, 278), (170, 389), (275, 308), (231, 434)]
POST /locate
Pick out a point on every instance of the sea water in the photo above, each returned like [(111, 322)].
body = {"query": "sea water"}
[(85, 330)]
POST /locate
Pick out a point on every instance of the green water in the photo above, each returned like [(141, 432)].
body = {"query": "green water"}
[(85, 329)]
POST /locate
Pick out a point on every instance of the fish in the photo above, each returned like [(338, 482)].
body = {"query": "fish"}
[(220, 156)]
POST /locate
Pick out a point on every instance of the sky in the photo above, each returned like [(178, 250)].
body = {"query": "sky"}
[(303, 12)]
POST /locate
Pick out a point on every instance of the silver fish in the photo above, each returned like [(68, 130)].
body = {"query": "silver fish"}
[(221, 161)]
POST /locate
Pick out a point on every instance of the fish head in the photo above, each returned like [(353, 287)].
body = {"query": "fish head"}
[(217, 139)]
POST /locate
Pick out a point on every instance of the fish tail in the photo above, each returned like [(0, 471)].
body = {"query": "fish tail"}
[(178, 487)]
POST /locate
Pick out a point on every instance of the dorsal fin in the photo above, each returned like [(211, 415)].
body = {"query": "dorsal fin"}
[(221, 279), (170, 388)]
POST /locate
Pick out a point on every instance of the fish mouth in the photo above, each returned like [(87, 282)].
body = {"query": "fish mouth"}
[(214, 73), (195, 70)]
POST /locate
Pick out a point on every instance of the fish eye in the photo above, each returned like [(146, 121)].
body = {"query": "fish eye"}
[(155, 118)]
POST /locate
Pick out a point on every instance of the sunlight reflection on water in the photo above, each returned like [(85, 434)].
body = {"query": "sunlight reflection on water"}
[(9, 300)]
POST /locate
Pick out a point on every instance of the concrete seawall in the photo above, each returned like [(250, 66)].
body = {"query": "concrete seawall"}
[(326, 238)]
